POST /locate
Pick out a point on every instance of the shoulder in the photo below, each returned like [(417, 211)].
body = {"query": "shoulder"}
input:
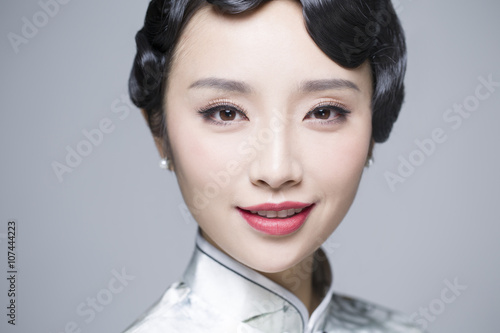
[(160, 315), (180, 311), (348, 314)]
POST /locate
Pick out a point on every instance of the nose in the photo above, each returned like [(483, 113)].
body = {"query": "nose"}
[(275, 165)]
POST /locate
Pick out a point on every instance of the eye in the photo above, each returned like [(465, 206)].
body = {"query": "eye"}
[(223, 114), (226, 115), (327, 113)]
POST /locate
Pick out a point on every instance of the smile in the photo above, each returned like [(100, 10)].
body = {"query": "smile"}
[(279, 214), (276, 219)]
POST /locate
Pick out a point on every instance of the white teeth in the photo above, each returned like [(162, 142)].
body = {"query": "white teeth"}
[(282, 213), (272, 213)]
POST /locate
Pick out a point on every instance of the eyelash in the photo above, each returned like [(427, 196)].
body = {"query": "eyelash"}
[(208, 112), (341, 110)]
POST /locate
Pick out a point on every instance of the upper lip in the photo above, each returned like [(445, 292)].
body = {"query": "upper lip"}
[(277, 206)]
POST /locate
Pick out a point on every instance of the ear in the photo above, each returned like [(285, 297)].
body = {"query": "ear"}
[(158, 140), (159, 143), (370, 150), (369, 156)]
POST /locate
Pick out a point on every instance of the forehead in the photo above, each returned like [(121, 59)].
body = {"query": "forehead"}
[(271, 41)]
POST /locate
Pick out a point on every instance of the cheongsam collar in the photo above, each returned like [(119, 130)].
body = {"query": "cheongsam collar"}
[(250, 297)]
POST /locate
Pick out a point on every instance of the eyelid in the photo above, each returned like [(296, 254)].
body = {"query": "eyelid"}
[(208, 109), (341, 108)]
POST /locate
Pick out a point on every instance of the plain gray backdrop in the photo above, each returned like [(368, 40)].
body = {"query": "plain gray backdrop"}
[(117, 213)]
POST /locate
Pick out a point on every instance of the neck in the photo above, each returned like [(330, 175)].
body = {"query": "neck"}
[(299, 280)]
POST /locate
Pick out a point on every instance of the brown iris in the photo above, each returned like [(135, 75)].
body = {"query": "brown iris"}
[(322, 114), (227, 115)]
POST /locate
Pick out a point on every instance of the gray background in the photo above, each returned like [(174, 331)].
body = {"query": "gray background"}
[(117, 210)]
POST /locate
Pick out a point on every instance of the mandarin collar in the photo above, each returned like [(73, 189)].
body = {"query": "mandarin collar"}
[(247, 295)]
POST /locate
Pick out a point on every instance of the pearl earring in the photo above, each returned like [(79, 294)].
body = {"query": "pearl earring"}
[(369, 163), (165, 164)]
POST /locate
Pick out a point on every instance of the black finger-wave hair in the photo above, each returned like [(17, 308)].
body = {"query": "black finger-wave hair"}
[(348, 31)]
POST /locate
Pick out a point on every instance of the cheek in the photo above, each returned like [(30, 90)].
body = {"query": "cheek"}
[(193, 157), (204, 165), (338, 163)]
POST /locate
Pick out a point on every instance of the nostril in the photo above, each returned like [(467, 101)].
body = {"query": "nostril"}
[(276, 166)]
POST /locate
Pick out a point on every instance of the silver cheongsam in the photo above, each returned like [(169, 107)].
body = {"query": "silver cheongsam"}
[(219, 295)]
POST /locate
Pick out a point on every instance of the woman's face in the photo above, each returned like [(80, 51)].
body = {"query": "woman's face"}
[(256, 114)]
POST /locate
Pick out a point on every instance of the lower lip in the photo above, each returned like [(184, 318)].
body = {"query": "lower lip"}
[(276, 226)]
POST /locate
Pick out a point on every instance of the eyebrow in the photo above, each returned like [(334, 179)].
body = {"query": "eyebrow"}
[(327, 84), (223, 84), (244, 88)]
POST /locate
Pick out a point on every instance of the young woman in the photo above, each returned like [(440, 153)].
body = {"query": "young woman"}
[(267, 112)]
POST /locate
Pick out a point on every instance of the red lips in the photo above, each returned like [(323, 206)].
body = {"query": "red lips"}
[(276, 226), (278, 206)]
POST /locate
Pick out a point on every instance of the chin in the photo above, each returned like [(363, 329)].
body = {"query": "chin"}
[(274, 257)]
